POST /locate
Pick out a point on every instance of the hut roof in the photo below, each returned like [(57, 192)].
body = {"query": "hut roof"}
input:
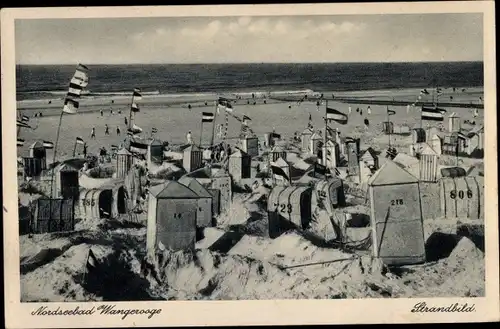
[(239, 154), (317, 135), (405, 160), (307, 131), (155, 142), (369, 153), (436, 136), (72, 164), (195, 186), (280, 162), (454, 115), (200, 173), (277, 148), (123, 151), (427, 149), (191, 148), (391, 174), (37, 144), (172, 190)]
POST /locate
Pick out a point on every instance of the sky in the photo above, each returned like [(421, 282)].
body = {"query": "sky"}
[(276, 39)]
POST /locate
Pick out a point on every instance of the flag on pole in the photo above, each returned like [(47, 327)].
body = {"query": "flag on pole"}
[(137, 147), (114, 147), (275, 135), (70, 106), (224, 104), (207, 117), (80, 140), (390, 112), (77, 83), (424, 92), (20, 142), (432, 114), (246, 119), (335, 115), (22, 124), (278, 171), (25, 118), (137, 95), (135, 107), (154, 130), (48, 145), (135, 129)]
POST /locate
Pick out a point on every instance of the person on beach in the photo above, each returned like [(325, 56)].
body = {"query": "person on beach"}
[(350, 110), (189, 138), (119, 111), (111, 111), (85, 150), (106, 129), (118, 130), (92, 134), (102, 113), (126, 121)]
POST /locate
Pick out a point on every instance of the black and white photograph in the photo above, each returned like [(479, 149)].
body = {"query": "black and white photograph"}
[(241, 157)]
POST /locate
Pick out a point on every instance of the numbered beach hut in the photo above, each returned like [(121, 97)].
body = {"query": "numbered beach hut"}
[(330, 193), (288, 208), (204, 213), (462, 197), (172, 210), (396, 216)]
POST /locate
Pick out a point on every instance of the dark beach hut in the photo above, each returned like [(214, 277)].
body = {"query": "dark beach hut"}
[(204, 211)]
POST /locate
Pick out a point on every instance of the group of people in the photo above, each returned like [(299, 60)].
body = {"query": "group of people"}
[(106, 131)]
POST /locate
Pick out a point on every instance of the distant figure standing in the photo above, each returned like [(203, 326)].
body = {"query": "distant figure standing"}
[(126, 121), (350, 110), (119, 111), (92, 134), (118, 130), (102, 113), (360, 112), (85, 150), (111, 111), (189, 138), (369, 110), (106, 129)]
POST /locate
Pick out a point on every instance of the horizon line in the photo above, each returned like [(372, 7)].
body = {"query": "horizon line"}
[(236, 63)]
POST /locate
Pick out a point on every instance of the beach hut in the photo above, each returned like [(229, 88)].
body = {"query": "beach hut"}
[(215, 193), (454, 123), (370, 157), (387, 127), (437, 144), (221, 180), (38, 151), (352, 158), (123, 162), (154, 153), (172, 210), (418, 135), (250, 145), (459, 139), (240, 165), (315, 142), (428, 164), (278, 152), (396, 216), (289, 207), (33, 167), (462, 197), (305, 139), (285, 168), (192, 158), (330, 193), (268, 141), (66, 181), (452, 172), (96, 203), (204, 211)]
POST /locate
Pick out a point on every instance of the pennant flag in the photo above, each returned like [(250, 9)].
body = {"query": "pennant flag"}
[(80, 140), (432, 114), (424, 91), (137, 94), (25, 118), (330, 132), (278, 171), (20, 142), (335, 115), (48, 145), (22, 124), (224, 104), (154, 130), (246, 119), (70, 106), (81, 74), (137, 147), (390, 112), (135, 107), (92, 262), (275, 135), (207, 117), (443, 111)]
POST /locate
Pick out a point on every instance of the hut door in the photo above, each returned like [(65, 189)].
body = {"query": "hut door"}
[(105, 199), (122, 207)]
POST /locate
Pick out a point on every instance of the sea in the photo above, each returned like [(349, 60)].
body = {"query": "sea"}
[(45, 81)]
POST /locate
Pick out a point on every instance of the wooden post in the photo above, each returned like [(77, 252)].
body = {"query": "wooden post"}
[(215, 119), (324, 136), (201, 131)]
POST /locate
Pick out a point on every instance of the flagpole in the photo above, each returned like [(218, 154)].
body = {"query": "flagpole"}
[(130, 113), (388, 124), (55, 154), (74, 149), (324, 135), (213, 126), (201, 131)]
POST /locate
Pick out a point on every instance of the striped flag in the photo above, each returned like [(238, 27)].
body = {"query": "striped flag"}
[(424, 92), (92, 262), (77, 83), (275, 135), (20, 142), (224, 104), (25, 118), (137, 147), (207, 117), (48, 145), (135, 107), (80, 140), (154, 130), (70, 106), (246, 119), (135, 129), (22, 124), (390, 112), (137, 94), (335, 115), (114, 147), (432, 114)]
